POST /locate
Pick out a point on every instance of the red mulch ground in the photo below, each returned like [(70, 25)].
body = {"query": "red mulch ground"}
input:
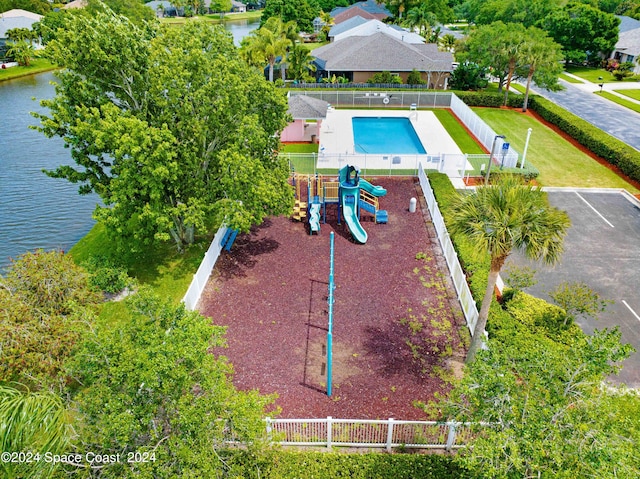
[(271, 292)]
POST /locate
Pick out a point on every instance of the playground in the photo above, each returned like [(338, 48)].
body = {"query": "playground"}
[(395, 322)]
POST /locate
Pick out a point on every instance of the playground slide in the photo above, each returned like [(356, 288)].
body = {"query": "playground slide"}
[(350, 213), (374, 190)]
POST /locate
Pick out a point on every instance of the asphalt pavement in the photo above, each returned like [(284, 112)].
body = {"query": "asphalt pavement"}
[(579, 99)]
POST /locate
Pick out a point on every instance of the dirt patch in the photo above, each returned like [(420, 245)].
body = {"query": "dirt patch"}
[(396, 317)]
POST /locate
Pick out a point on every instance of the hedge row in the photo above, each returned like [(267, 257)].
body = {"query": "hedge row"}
[(602, 144), (321, 465), (494, 100)]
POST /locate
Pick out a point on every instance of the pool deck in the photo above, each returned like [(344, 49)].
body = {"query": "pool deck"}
[(337, 144)]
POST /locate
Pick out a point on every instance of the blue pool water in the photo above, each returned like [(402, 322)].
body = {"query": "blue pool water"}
[(385, 135)]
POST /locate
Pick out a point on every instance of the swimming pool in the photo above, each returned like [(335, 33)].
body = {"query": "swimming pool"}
[(385, 135)]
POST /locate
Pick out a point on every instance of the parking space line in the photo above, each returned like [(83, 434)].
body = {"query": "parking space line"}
[(595, 210), (632, 311)]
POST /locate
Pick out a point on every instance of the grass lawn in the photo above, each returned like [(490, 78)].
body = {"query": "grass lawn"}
[(38, 65), (569, 79), (620, 101), (635, 94), (462, 138), (593, 74), (254, 15), (161, 267), (560, 163)]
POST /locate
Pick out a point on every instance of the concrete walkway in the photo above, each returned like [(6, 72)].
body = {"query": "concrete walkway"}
[(615, 119)]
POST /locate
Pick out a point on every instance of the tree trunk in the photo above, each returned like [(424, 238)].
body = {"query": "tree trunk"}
[(526, 93), (478, 332), (271, 72), (512, 68)]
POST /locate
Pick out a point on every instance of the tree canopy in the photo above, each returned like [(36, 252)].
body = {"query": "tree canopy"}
[(583, 31), (300, 11), (168, 126)]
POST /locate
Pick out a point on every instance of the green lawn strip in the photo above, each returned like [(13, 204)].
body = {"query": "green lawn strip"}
[(300, 148), (570, 79), (593, 74), (213, 18), (620, 101), (457, 131), (560, 163), (635, 94), (161, 267), (38, 65)]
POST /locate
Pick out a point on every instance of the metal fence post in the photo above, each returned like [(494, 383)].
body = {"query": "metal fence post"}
[(389, 434), (269, 429), (451, 438), (329, 432)]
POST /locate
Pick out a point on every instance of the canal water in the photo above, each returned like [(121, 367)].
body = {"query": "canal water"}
[(37, 211)]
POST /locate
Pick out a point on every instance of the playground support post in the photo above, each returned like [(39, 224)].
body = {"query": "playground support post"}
[(330, 301)]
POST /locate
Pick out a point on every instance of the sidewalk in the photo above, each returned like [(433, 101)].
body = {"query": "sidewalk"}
[(608, 87)]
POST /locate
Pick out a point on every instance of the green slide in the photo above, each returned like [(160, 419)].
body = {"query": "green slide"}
[(349, 200), (374, 190)]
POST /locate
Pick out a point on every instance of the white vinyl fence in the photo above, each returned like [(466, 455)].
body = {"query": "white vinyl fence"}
[(201, 277), (507, 158), (365, 433), (458, 277)]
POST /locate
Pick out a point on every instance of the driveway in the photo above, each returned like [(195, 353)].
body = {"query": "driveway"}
[(616, 120)]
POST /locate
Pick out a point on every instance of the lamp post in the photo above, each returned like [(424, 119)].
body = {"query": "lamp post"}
[(601, 84), (493, 145), (526, 145)]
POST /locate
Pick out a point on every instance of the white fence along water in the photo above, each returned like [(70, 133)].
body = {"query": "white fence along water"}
[(387, 434), (458, 277), (201, 277)]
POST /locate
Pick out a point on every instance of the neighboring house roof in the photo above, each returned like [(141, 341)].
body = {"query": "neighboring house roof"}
[(17, 19), (303, 107), (629, 38), (381, 52), (627, 23), (75, 4), (156, 4), (346, 25), (369, 9), (371, 27), (235, 4)]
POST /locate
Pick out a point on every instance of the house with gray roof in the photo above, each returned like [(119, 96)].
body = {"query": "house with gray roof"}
[(370, 10), (628, 47), (16, 18), (358, 58), (371, 27)]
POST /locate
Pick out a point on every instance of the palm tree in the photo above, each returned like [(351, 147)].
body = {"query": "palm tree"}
[(422, 19), (22, 51), (269, 43), (502, 217), (540, 54), (300, 63), (35, 422), (448, 42)]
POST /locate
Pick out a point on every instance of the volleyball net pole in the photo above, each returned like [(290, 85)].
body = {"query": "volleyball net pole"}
[(330, 300)]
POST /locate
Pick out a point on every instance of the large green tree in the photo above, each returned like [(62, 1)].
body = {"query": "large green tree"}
[(153, 385), (502, 217), (169, 126), (300, 11), (524, 12), (584, 31)]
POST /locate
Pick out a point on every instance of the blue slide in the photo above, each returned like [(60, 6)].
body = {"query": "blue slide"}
[(349, 200), (374, 190)]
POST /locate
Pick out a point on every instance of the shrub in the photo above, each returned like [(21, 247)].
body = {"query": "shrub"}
[(414, 78), (106, 275), (489, 99), (384, 77), (602, 144), (469, 76)]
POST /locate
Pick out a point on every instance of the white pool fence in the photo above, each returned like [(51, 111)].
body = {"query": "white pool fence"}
[(363, 433)]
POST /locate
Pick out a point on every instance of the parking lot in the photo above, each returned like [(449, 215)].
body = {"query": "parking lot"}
[(602, 249)]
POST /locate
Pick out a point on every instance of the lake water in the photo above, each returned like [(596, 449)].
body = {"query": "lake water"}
[(37, 211)]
